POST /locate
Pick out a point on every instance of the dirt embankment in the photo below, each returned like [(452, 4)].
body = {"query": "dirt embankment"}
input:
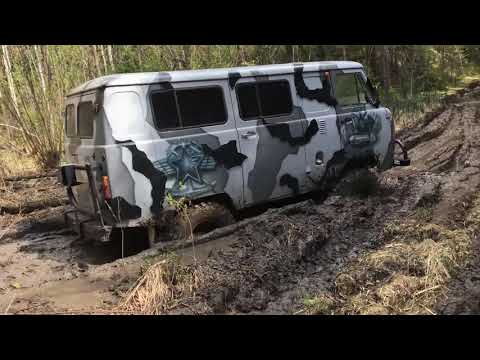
[(404, 241)]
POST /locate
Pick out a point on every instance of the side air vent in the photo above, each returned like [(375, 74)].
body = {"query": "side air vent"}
[(322, 127)]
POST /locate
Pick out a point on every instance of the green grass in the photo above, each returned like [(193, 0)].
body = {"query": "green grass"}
[(463, 82), (424, 214)]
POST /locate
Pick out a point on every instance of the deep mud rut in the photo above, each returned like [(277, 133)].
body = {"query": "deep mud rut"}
[(276, 260)]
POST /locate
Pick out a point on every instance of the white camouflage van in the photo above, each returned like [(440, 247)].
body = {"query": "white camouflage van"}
[(232, 137)]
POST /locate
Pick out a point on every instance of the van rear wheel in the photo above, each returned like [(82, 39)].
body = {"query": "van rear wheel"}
[(202, 218)]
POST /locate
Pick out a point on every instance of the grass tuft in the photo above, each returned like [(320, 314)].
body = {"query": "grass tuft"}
[(160, 287)]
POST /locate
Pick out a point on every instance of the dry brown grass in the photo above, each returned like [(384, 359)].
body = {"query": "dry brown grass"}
[(405, 276), (321, 304), (161, 287), (16, 164)]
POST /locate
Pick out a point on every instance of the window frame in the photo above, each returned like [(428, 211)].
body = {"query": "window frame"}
[(74, 120), (78, 118), (356, 75), (179, 115), (257, 93)]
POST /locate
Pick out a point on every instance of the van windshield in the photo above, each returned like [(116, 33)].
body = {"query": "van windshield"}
[(352, 89), (348, 89)]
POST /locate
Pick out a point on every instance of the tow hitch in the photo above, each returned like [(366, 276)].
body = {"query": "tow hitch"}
[(401, 162)]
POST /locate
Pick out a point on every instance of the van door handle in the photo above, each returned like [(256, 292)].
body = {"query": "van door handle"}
[(249, 135)]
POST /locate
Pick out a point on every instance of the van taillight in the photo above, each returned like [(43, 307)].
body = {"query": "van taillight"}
[(107, 193)]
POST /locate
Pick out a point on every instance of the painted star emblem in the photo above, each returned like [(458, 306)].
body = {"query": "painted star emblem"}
[(186, 159)]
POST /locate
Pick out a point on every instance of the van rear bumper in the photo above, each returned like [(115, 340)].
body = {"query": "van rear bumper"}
[(88, 224)]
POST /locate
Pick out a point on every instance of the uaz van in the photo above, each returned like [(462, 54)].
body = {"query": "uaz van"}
[(225, 139)]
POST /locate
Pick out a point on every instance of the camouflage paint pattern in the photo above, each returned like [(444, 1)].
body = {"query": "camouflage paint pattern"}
[(249, 161)]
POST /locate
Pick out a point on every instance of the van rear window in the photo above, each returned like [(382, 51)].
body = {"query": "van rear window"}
[(182, 108), (85, 119), (70, 128)]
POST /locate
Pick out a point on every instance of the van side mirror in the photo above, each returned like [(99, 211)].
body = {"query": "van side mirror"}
[(373, 99)]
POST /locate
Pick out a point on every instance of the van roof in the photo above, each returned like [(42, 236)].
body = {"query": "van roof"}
[(146, 78)]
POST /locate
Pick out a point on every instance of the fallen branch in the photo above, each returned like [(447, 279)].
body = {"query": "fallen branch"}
[(32, 206), (10, 304), (425, 290), (430, 311), (28, 177)]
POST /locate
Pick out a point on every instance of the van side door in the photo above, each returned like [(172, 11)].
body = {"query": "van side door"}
[(271, 129), (317, 102)]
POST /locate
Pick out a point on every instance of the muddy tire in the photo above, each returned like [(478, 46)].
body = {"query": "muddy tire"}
[(202, 218)]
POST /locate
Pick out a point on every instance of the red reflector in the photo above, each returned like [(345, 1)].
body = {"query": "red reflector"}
[(107, 193)]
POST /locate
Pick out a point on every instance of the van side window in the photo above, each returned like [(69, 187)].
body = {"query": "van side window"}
[(201, 106), (348, 91), (275, 98), (175, 109), (165, 110), (264, 99), (85, 119), (248, 101), (70, 128)]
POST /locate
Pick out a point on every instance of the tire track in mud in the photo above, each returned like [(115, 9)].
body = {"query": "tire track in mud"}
[(433, 129), (445, 156), (448, 144), (278, 260)]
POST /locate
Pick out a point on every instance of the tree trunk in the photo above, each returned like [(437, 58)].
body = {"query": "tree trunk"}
[(95, 59), (110, 57), (386, 68), (8, 74), (2, 114), (41, 74), (102, 52)]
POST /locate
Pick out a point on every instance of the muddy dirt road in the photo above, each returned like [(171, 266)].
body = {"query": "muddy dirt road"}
[(321, 257)]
